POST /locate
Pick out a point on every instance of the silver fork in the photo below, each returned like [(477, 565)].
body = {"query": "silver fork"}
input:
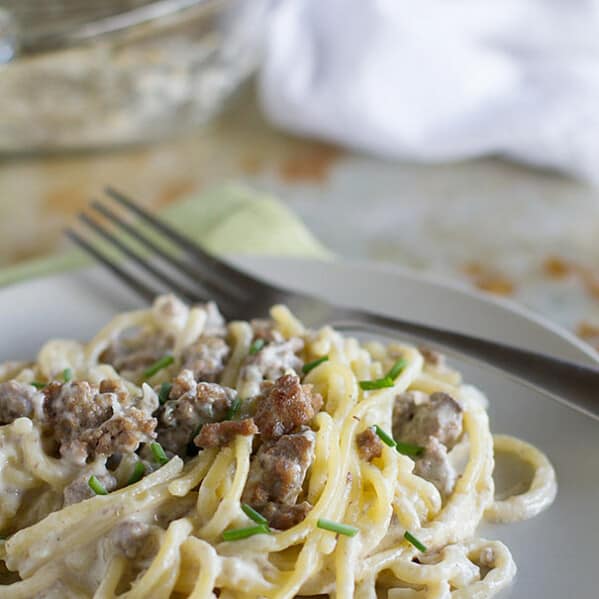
[(197, 276)]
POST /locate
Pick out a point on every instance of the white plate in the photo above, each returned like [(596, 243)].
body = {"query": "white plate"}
[(557, 552)]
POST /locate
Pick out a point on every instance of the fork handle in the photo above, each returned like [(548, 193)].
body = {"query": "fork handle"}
[(574, 384)]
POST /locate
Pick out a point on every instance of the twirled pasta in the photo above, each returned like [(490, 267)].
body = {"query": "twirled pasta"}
[(66, 551)]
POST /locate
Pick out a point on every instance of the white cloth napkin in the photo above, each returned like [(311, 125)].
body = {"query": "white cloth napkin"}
[(438, 80)]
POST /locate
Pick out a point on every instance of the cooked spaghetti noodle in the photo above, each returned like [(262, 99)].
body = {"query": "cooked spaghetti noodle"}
[(176, 456)]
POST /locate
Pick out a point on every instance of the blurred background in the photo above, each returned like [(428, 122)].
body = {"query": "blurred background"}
[(460, 139)]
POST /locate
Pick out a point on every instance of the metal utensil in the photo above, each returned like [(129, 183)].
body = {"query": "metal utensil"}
[(198, 276)]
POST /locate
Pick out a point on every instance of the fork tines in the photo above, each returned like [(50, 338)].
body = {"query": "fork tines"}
[(151, 269)]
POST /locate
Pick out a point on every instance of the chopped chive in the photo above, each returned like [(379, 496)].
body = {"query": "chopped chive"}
[(256, 346), (376, 384), (396, 369), (164, 392), (159, 456), (138, 472), (408, 449), (243, 533), (96, 486), (342, 529), (312, 365), (158, 365), (383, 436), (408, 536), (233, 409), (252, 514), (37, 384), (67, 375)]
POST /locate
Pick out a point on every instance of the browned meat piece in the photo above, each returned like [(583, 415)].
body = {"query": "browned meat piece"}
[(434, 466), (130, 537), (278, 469), (439, 417), (282, 517), (120, 434), (206, 358), (17, 400), (287, 406), (86, 422), (219, 434), (135, 349), (201, 403), (79, 489), (432, 357), (75, 406), (183, 383), (272, 361), (369, 444), (116, 387)]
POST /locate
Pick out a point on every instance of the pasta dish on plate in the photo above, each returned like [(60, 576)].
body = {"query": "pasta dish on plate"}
[(177, 455)]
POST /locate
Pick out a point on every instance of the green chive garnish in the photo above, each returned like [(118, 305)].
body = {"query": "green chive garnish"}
[(256, 346), (164, 392), (38, 384), (232, 411), (376, 384), (67, 375), (342, 529), (408, 536), (157, 366), (96, 486), (396, 369), (159, 456), (312, 365), (387, 380), (252, 514), (408, 449), (138, 472), (383, 436), (243, 533)]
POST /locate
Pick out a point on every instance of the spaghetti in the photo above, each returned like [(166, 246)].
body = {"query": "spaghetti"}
[(176, 456)]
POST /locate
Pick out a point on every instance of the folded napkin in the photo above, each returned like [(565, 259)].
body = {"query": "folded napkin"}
[(228, 219), (433, 80)]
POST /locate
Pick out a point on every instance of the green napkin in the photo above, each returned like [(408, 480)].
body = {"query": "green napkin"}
[(228, 219)]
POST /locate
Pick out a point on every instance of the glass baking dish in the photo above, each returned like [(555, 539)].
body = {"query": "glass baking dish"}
[(81, 88)]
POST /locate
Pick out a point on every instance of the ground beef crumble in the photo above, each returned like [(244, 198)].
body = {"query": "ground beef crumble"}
[(191, 405), (440, 416), (86, 422), (135, 349), (282, 516), (276, 476), (120, 434), (369, 444), (273, 360), (219, 434), (435, 423), (18, 400), (434, 466), (432, 357), (286, 406), (206, 358)]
